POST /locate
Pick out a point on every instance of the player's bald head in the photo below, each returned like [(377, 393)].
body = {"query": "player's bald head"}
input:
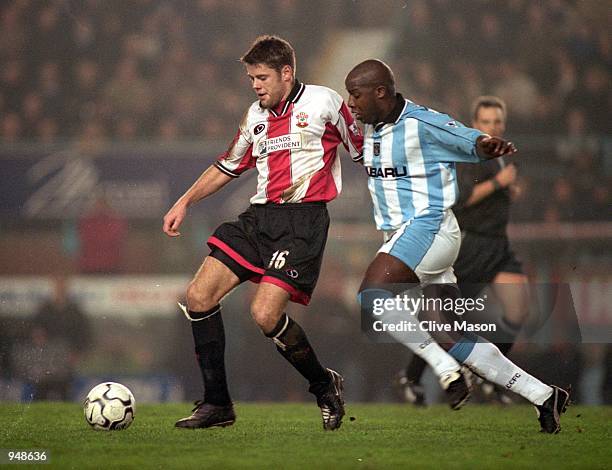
[(371, 73)]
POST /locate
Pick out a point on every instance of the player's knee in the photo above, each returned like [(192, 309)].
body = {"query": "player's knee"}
[(265, 318), (198, 299)]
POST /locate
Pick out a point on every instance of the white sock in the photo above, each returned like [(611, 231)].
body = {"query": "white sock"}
[(440, 361), (420, 342), (488, 362)]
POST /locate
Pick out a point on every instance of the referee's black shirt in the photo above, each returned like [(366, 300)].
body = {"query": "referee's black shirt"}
[(490, 215)]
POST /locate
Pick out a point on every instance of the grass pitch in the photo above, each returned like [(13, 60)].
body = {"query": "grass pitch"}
[(290, 436)]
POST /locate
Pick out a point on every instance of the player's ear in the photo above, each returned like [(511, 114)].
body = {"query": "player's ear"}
[(287, 73), (380, 91)]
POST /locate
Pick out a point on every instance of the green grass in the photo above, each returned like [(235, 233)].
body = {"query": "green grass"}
[(290, 436)]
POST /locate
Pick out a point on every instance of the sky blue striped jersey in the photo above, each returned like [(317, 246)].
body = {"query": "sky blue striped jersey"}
[(411, 166)]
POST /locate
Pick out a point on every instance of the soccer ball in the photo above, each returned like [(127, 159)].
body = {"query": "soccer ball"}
[(109, 406)]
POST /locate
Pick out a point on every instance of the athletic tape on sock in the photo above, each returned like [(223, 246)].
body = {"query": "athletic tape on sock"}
[(274, 334), (190, 318)]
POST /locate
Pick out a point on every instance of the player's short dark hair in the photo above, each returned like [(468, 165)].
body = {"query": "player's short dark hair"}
[(271, 51), (487, 102)]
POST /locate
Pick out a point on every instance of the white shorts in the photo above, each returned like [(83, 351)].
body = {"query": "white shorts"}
[(430, 253)]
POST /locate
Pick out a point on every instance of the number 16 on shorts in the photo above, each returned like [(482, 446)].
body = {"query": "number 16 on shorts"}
[(278, 259)]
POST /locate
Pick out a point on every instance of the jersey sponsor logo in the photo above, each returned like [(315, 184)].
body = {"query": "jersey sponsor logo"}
[(388, 172), (302, 119), (283, 142), (259, 128)]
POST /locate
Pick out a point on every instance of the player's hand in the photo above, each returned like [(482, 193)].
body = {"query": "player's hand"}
[(506, 176), (173, 219), (494, 147)]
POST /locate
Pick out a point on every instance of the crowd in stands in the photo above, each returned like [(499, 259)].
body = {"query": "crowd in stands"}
[(133, 70), (168, 70)]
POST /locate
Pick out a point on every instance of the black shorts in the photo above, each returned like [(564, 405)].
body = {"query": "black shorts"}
[(281, 244), (480, 259)]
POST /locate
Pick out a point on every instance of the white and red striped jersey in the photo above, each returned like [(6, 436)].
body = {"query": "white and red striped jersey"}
[(295, 152)]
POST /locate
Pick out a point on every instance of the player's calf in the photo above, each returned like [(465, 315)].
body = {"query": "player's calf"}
[(325, 384)]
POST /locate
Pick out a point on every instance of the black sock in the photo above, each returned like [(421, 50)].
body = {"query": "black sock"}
[(415, 369), (292, 343), (209, 339), (506, 335)]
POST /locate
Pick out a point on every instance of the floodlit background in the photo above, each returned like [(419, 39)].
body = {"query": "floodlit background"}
[(109, 110)]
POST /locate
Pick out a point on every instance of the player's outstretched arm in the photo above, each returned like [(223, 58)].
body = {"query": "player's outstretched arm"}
[(493, 147), (211, 181)]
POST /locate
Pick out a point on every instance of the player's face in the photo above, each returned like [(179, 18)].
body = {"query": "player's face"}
[(271, 86), (362, 102), (490, 120)]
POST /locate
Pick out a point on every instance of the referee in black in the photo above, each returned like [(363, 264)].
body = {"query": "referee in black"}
[(483, 208)]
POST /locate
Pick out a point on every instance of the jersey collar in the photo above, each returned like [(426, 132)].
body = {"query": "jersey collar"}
[(296, 93), (396, 112)]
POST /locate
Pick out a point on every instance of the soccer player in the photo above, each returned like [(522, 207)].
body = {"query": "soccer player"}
[(485, 256), (409, 154), (290, 134)]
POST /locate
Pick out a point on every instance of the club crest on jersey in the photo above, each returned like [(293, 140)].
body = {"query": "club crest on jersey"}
[(302, 119), (376, 149)]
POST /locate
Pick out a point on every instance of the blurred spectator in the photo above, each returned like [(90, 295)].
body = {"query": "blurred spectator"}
[(48, 36), (102, 239), (127, 129), (59, 336), (47, 130), (127, 92), (13, 36), (168, 130), (516, 87), (212, 128), (495, 42), (92, 137), (49, 86), (81, 103), (594, 95), (576, 137), (11, 128), (600, 201), (12, 83), (32, 112), (567, 75), (562, 206)]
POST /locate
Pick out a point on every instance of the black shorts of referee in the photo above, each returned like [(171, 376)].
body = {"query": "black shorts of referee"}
[(480, 259)]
